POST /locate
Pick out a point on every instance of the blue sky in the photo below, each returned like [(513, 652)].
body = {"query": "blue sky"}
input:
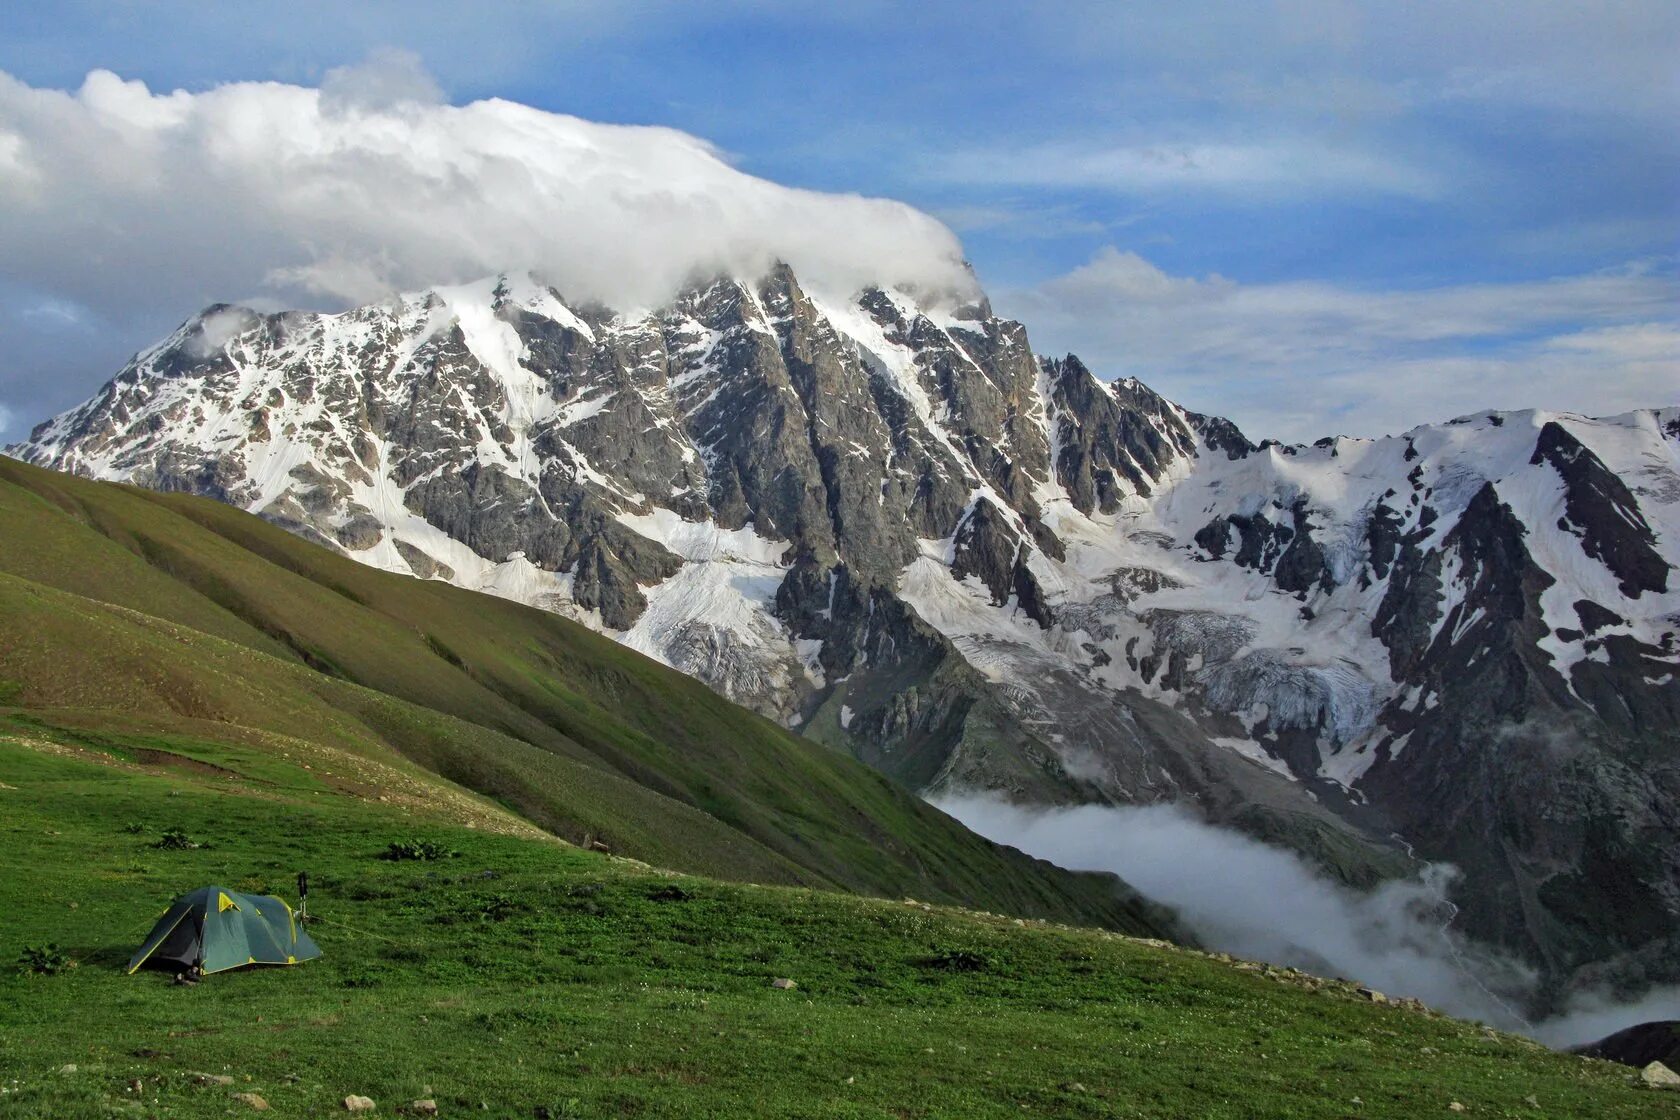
[(1313, 216)]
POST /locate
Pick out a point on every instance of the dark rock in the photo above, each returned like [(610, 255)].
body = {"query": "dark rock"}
[(1599, 508)]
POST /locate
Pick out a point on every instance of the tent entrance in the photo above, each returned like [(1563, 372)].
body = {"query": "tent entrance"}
[(179, 944)]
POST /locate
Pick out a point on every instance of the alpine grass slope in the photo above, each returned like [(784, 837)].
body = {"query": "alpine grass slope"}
[(175, 630), (885, 521)]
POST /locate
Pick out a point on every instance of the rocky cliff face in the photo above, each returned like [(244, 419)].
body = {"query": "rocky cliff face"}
[(892, 525)]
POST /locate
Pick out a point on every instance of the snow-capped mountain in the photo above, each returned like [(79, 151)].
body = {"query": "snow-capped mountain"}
[(888, 522)]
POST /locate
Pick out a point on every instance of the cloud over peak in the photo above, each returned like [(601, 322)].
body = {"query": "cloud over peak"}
[(372, 182)]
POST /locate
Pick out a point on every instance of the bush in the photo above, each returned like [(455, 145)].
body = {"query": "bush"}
[(496, 908), (564, 1110), (44, 960), (417, 849), (956, 960), (176, 840)]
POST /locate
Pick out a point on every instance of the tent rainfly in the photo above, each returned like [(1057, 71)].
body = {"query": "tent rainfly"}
[(215, 929)]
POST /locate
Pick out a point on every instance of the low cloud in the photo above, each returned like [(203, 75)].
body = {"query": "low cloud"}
[(1247, 898), (1592, 1017), (1271, 355), (372, 182)]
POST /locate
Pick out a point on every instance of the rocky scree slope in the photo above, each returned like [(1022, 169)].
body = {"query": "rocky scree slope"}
[(887, 522)]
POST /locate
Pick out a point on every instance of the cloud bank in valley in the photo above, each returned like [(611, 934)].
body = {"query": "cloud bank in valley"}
[(1260, 902), (372, 182)]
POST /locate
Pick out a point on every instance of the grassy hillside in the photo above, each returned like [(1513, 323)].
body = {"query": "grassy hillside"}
[(171, 623), (521, 977)]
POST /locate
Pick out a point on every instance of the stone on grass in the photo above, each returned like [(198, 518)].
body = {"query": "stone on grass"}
[(212, 1078), (1659, 1076), (423, 1108), (1373, 995), (354, 1103), (784, 983), (253, 1100), (1455, 1107)]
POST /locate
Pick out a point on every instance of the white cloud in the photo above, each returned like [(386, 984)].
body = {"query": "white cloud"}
[(1298, 360), (1321, 54), (1028, 221), (1254, 170), (387, 78), (1244, 897), (117, 198)]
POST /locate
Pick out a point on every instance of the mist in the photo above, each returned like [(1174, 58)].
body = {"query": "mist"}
[(1255, 901)]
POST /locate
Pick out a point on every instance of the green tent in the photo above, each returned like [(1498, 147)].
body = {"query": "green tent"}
[(217, 929)]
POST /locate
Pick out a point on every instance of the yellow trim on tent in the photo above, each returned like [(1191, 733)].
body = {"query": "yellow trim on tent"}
[(224, 903)]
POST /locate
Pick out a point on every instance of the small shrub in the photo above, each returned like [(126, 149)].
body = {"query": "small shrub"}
[(176, 840), (361, 978), (670, 893), (496, 908), (417, 849), (44, 960), (565, 1110), (134, 828), (956, 960)]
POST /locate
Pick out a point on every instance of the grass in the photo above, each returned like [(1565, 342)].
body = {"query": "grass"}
[(524, 976), (132, 615)]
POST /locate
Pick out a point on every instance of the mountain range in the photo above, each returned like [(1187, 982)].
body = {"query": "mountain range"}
[(883, 520)]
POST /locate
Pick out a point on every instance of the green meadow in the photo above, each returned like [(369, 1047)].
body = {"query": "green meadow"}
[(518, 976)]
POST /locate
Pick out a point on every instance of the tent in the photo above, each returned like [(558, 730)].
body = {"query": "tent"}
[(216, 929)]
